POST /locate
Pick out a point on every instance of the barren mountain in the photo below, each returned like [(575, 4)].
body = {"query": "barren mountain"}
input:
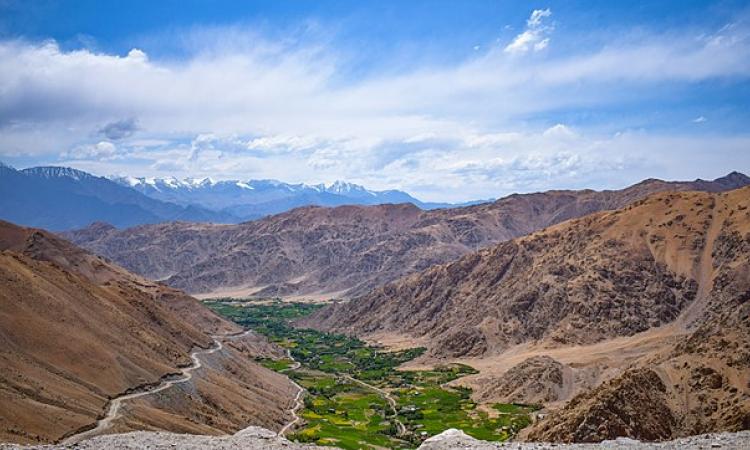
[(347, 250), (537, 380), (78, 331), (646, 309)]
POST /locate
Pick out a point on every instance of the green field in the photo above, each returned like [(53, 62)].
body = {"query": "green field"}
[(278, 365), (347, 414), (342, 413)]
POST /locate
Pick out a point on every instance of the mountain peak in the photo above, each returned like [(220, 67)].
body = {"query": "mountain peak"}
[(734, 178), (344, 187), (57, 172)]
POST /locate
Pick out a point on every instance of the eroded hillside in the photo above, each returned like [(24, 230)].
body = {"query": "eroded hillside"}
[(349, 250), (646, 305), (78, 331)]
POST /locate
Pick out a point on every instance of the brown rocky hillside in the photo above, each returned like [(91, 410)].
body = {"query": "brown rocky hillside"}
[(653, 301), (349, 250), (77, 331)]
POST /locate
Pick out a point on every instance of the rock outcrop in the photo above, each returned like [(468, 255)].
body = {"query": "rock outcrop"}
[(537, 380)]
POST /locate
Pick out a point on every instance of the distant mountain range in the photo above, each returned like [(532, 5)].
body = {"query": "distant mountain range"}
[(253, 199), (61, 198), (348, 250)]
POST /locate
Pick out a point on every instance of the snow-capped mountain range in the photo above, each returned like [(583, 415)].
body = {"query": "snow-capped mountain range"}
[(205, 184), (62, 198), (249, 199)]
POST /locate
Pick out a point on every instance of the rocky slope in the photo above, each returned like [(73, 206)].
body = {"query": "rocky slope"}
[(666, 280), (701, 383), (346, 251), (605, 275), (77, 331), (537, 380)]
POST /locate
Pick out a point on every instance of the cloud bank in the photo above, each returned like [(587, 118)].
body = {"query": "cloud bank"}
[(249, 107)]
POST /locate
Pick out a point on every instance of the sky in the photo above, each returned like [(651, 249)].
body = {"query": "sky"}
[(449, 101)]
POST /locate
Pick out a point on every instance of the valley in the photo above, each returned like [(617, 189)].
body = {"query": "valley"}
[(356, 397), (374, 225), (613, 324)]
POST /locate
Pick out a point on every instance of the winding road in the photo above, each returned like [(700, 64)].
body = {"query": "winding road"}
[(113, 412), (298, 403), (391, 401)]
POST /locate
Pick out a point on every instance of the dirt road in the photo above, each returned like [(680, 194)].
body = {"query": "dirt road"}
[(298, 403), (391, 401), (113, 412)]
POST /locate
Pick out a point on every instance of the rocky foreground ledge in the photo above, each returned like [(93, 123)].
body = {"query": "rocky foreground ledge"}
[(456, 439), (255, 438)]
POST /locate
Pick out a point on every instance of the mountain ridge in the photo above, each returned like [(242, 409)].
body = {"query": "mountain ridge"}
[(639, 304), (346, 250), (79, 331), (252, 199), (60, 198)]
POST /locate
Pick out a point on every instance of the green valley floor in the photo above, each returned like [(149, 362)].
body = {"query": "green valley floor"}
[(355, 395)]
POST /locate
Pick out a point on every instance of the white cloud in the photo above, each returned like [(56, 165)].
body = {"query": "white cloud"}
[(700, 119), (272, 110), (541, 45), (276, 91), (534, 37), (100, 151), (559, 131), (282, 143), (455, 167), (535, 20)]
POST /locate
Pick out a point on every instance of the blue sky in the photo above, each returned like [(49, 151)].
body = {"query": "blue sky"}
[(447, 100)]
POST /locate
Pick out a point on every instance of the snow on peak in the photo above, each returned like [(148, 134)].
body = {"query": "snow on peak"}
[(338, 187), (343, 187), (198, 182), (57, 172), (171, 182), (207, 181), (131, 181)]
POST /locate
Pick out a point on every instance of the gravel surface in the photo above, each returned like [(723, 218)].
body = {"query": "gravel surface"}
[(256, 438), (249, 438), (455, 439)]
